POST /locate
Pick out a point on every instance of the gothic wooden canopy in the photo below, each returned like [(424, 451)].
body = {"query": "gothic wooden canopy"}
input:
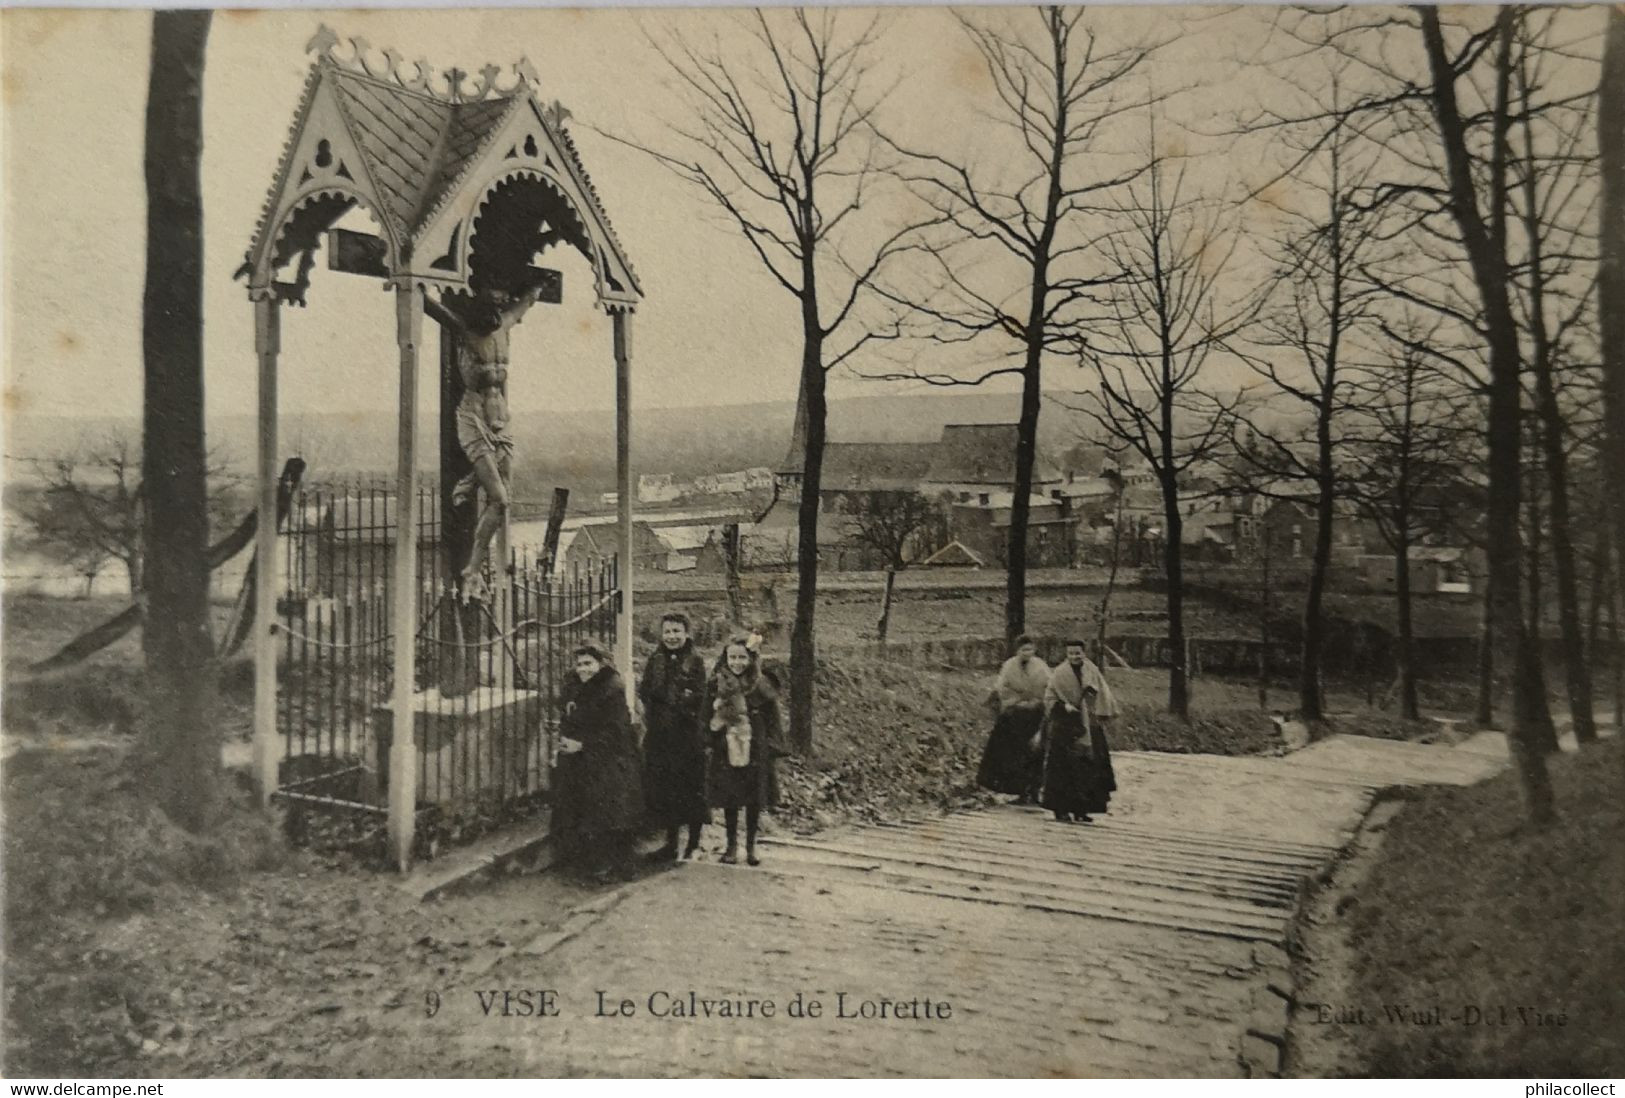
[(468, 177)]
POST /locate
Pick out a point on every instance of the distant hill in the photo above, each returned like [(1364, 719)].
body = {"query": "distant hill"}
[(577, 450)]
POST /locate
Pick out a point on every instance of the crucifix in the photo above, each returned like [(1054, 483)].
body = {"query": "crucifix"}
[(476, 446)]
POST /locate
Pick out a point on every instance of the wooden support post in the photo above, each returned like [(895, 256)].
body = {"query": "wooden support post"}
[(267, 343), (502, 608), (403, 781), (623, 502)]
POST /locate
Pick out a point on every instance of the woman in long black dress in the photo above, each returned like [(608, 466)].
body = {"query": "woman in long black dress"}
[(746, 734), (673, 693), (599, 801), (1078, 776), (1012, 762)]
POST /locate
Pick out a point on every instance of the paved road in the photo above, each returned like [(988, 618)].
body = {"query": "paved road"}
[(1148, 943)]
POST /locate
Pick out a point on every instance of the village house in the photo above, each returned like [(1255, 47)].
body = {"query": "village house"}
[(683, 545), (659, 488), (1435, 570), (983, 527), (594, 546)]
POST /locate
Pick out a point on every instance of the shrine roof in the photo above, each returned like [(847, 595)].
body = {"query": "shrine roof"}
[(419, 139)]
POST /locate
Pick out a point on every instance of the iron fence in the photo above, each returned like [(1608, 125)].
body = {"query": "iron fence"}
[(487, 672)]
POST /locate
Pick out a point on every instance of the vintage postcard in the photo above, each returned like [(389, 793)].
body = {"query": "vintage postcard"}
[(813, 542)]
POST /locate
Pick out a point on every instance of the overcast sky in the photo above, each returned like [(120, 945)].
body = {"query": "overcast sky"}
[(715, 328)]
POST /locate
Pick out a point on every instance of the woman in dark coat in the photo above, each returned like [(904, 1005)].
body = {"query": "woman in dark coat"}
[(599, 802), (673, 693), (1078, 776), (746, 736)]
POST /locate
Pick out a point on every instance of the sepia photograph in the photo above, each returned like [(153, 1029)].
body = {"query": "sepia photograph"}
[(813, 542)]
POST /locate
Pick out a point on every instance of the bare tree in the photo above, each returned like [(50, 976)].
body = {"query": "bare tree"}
[(892, 523), (90, 507), (1398, 466), (1299, 344), (1476, 195), (1018, 261), (181, 729), (1449, 100), (779, 137), (1167, 318), (1553, 201)]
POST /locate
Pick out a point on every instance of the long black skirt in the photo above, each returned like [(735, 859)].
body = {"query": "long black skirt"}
[(1078, 777), (674, 773), (1010, 763)]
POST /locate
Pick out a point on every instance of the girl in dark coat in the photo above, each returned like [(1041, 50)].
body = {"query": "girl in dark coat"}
[(673, 693), (746, 735), (599, 803)]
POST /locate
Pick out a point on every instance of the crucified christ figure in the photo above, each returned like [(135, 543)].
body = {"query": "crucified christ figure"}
[(483, 323)]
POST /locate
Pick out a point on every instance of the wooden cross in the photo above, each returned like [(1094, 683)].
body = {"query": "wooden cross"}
[(364, 254)]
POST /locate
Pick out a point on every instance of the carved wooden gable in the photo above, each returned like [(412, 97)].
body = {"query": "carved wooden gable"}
[(429, 158)]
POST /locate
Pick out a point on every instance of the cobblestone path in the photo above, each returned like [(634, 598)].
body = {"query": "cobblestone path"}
[(1147, 943)]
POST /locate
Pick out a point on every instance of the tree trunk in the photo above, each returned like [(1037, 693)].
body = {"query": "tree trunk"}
[(1179, 701), (1611, 270), (1600, 590), (1542, 730), (1311, 696), (1015, 583), (885, 604), (1484, 712), (1409, 708), (182, 735), (1264, 624), (1576, 671), (803, 635), (1616, 654), (1111, 580)]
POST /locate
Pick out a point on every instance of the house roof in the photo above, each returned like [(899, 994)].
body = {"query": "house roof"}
[(954, 553), (876, 465), (684, 538), (1087, 488), (982, 453), (1215, 527)]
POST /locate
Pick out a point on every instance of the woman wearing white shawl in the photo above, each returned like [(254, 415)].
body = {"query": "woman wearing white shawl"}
[(1078, 776), (1013, 761)]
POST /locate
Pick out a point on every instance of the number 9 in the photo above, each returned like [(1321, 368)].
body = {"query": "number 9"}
[(431, 1002)]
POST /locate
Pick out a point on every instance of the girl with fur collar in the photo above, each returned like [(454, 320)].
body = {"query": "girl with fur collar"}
[(746, 734)]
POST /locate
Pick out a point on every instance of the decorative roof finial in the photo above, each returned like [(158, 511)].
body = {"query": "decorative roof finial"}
[(556, 114), (325, 43)]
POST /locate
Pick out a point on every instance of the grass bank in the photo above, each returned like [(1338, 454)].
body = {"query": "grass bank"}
[(896, 741), (1513, 930)]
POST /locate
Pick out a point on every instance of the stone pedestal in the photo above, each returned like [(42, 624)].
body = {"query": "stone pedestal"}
[(488, 743)]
